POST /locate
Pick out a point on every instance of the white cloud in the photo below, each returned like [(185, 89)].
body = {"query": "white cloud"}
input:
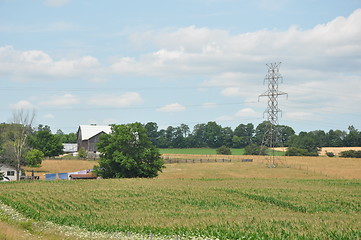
[(49, 116), (56, 3), (35, 65), (124, 100), (247, 112), (66, 100), (174, 107), (23, 104), (213, 52)]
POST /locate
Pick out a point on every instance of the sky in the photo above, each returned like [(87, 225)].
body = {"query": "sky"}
[(78, 62)]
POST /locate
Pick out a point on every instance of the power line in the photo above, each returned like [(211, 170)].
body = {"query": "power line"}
[(271, 136)]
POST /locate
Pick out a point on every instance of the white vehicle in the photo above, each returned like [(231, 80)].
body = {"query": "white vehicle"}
[(5, 179)]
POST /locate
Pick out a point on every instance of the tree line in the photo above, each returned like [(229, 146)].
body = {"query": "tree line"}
[(21, 144), (213, 135)]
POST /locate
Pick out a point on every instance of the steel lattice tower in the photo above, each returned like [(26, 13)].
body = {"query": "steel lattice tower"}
[(273, 78)]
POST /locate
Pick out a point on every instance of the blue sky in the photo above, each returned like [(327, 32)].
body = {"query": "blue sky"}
[(85, 61)]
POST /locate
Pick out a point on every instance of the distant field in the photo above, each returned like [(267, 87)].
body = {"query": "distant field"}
[(335, 150), (203, 151), (206, 151)]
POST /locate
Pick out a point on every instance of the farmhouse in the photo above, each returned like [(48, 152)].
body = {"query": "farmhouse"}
[(8, 171), (88, 137)]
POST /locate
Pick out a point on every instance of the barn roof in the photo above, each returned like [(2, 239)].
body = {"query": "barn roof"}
[(89, 131)]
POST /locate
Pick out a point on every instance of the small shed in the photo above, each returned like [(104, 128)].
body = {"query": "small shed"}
[(70, 147), (9, 171)]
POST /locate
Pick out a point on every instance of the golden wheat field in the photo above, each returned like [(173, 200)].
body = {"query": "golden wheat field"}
[(287, 167)]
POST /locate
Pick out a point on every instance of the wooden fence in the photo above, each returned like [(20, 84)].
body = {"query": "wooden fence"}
[(195, 158)]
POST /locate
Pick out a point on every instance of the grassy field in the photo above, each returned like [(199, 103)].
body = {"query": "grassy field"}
[(303, 198), (203, 151)]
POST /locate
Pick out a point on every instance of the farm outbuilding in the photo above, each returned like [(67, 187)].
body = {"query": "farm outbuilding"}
[(70, 147), (9, 171), (88, 137)]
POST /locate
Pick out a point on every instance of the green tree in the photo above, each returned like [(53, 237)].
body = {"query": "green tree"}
[(224, 150), (243, 134), (213, 134), (294, 151), (307, 142), (152, 132), (285, 134), (46, 142), (254, 149), (127, 152), (34, 157), (353, 138), (198, 136), (82, 153), (66, 138), (260, 131), (14, 139), (335, 138)]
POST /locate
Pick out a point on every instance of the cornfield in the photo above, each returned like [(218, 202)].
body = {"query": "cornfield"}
[(222, 208)]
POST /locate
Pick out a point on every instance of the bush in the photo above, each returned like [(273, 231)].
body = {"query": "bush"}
[(254, 149), (82, 153), (224, 150), (350, 154), (330, 154), (34, 157), (294, 151)]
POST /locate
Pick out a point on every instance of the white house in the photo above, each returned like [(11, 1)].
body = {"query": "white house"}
[(8, 171), (88, 137)]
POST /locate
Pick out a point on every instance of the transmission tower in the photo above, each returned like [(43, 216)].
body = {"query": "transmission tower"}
[(271, 136)]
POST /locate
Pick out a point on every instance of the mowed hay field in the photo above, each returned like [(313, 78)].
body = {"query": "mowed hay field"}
[(302, 198)]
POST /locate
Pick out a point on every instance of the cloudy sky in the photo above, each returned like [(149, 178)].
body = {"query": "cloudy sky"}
[(180, 61)]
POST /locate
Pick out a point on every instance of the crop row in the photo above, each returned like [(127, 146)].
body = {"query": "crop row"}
[(220, 208)]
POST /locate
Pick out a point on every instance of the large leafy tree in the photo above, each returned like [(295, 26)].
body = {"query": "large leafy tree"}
[(127, 152), (46, 142), (152, 132), (66, 138), (14, 138), (306, 142), (353, 138), (243, 134)]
